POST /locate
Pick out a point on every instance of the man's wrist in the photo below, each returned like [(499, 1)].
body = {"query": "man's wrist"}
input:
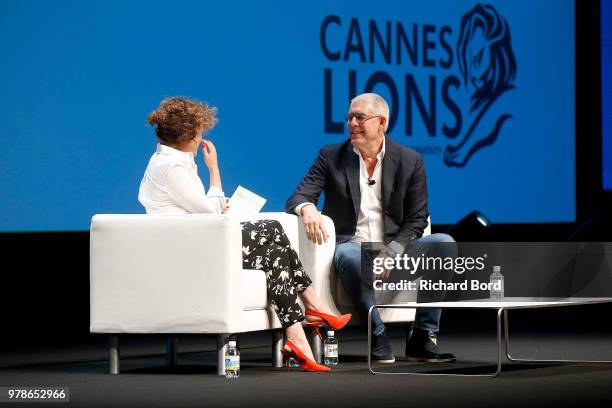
[(306, 206), (394, 248), (299, 207)]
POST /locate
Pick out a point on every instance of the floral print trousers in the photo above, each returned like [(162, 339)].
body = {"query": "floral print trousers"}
[(265, 246)]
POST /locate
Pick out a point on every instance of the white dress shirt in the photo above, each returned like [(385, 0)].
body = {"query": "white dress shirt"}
[(370, 227), (171, 185)]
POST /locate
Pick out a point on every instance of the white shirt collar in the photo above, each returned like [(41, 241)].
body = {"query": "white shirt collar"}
[(380, 154), (163, 149)]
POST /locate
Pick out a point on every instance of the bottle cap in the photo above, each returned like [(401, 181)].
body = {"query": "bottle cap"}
[(330, 333), (496, 268), (232, 343)]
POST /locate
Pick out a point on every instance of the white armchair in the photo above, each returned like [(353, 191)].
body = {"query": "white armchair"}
[(177, 274)]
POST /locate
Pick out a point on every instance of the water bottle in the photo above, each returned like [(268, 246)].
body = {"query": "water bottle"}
[(331, 349), (496, 284), (293, 363), (232, 361)]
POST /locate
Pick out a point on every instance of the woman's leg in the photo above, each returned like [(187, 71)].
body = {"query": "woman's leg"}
[(256, 234), (266, 246), (296, 334), (312, 301), (263, 232), (282, 293)]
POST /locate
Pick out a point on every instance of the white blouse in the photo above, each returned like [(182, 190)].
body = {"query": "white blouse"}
[(171, 185)]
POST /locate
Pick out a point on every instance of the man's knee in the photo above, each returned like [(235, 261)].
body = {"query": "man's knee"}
[(347, 257), (441, 238), (448, 247), (438, 244)]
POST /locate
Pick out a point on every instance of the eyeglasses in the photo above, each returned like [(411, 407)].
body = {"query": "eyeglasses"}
[(360, 117)]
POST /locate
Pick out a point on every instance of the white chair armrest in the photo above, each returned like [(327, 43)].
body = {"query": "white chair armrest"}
[(427, 230), (317, 260)]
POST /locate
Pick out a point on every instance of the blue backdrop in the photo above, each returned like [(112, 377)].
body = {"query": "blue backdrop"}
[(79, 79)]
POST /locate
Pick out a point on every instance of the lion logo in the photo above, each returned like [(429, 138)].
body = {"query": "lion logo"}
[(488, 68)]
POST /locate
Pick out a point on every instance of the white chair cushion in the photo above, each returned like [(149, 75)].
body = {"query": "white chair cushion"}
[(254, 295)]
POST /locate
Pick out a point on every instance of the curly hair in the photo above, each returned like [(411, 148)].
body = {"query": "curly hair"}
[(178, 120)]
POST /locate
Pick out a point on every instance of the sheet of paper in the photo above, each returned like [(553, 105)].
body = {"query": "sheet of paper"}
[(244, 203)]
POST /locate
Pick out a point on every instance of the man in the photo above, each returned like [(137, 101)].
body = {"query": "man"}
[(375, 191)]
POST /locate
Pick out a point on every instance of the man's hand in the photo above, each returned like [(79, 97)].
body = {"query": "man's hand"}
[(384, 275), (314, 225), (386, 253)]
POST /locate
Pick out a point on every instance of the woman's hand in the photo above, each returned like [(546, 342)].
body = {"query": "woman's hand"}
[(210, 159), (210, 155)]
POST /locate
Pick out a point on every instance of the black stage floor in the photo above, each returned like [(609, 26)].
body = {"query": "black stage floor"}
[(146, 382)]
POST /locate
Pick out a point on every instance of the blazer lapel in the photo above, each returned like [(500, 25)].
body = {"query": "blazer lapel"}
[(351, 168), (390, 162)]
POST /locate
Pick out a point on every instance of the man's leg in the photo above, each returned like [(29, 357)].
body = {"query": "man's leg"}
[(422, 344), (357, 281), (347, 260), (435, 245)]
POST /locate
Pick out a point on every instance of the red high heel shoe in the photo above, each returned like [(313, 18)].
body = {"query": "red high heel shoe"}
[(332, 322), (287, 355), (315, 326), (306, 363)]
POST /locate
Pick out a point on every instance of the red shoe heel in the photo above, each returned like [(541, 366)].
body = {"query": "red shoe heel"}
[(306, 363), (333, 322), (315, 326), (287, 357)]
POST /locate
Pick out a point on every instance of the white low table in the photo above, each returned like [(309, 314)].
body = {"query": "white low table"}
[(502, 308)]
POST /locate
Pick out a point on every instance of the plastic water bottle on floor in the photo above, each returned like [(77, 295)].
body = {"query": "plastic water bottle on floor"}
[(330, 349), (232, 361), (293, 363), (496, 284)]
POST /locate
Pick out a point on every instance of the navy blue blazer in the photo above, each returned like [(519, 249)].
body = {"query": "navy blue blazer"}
[(404, 191)]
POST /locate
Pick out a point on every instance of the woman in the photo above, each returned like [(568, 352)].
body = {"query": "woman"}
[(171, 185)]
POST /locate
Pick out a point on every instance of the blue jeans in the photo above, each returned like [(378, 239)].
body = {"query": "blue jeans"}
[(347, 260)]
